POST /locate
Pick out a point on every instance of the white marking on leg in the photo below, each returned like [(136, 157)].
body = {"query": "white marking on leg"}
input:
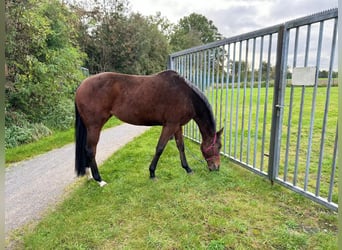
[(102, 183), (88, 172)]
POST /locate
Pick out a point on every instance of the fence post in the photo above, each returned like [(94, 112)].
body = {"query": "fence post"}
[(278, 103), (170, 62)]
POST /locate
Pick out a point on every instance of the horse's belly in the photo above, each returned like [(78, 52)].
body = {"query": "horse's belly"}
[(138, 118), (151, 119)]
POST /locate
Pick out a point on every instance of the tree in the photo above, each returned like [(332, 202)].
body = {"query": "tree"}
[(193, 30), (323, 74), (163, 25), (43, 62), (126, 43), (149, 47)]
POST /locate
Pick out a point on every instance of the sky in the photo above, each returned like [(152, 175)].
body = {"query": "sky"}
[(233, 17)]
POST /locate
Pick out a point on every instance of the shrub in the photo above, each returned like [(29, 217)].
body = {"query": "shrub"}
[(16, 135), (61, 116), (18, 130)]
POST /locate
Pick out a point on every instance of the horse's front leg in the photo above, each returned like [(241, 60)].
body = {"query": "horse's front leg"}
[(180, 146), (165, 136)]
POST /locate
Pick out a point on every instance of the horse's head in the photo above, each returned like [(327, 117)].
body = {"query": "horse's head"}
[(211, 151)]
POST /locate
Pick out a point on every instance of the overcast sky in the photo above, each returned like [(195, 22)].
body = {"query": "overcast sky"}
[(233, 17)]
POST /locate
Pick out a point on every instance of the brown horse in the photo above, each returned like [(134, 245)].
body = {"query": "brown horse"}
[(164, 99)]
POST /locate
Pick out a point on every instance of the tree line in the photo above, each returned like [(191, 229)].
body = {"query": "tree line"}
[(48, 41)]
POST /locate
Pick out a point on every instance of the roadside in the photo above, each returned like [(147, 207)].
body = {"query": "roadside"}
[(35, 185)]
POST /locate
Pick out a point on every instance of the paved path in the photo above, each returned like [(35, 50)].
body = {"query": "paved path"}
[(34, 185)]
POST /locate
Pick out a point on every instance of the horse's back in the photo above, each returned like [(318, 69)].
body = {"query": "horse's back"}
[(141, 100)]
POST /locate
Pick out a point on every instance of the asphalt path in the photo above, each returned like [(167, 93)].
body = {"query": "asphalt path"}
[(33, 186)]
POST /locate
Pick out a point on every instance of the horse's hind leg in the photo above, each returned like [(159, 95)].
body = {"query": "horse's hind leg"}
[(180, 146), (92, 140)]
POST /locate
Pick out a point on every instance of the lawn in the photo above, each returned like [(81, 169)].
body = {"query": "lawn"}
[(228, 209)]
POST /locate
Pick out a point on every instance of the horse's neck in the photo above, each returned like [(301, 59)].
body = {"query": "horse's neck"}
[(205, 122)]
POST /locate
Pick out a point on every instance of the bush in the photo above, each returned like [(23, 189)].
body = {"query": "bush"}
[(18, 130), (61, 116), (16, 135)]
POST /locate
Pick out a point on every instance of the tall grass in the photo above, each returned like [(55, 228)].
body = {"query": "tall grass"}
[(229, 209)]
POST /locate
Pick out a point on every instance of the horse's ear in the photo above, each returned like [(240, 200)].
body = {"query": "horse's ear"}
[(219, 133)]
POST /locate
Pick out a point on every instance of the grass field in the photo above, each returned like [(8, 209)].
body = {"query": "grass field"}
[(248, 141), (229, 209)]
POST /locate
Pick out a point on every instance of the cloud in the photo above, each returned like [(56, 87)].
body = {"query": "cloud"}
[(300, 8), (236, 20), (246, 16), (235, 17)]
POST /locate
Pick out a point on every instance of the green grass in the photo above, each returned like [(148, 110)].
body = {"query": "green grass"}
[(229, 209), (56, 140), (237, 146)]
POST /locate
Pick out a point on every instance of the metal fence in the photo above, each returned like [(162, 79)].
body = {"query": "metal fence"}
[(274, 124)]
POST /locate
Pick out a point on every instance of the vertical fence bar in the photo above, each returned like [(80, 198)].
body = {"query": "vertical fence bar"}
[(278, 103), (295, 52), (301, 107), (170, 64), (187, 73), (232, 101), (212, 82), (217, 82), (250, 103), (333, 168), (225, 82), (327, 101), (204, 71), (244, 102), (313, 107), (258, 101), (209, 75), (179, 64), (201, 76), (237, 103), (266, 103), (226, 103), (184, 65), (183, 73), (221, 86), (190, 78)]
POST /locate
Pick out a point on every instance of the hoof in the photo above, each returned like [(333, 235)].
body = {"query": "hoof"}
[(153, 178), (102, 183), (188, 170), (190, 173)]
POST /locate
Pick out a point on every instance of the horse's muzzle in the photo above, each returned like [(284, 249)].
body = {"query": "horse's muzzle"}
[(214, 168)]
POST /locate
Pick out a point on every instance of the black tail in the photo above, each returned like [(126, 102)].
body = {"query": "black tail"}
[(81, 158)]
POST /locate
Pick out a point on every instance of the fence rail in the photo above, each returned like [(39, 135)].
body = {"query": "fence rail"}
[(274, 125)]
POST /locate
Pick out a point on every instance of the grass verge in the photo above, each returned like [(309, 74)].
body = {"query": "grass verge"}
[(229, 209), (56, 140)]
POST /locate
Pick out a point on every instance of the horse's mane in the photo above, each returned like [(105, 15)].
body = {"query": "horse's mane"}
[(200, 95)]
